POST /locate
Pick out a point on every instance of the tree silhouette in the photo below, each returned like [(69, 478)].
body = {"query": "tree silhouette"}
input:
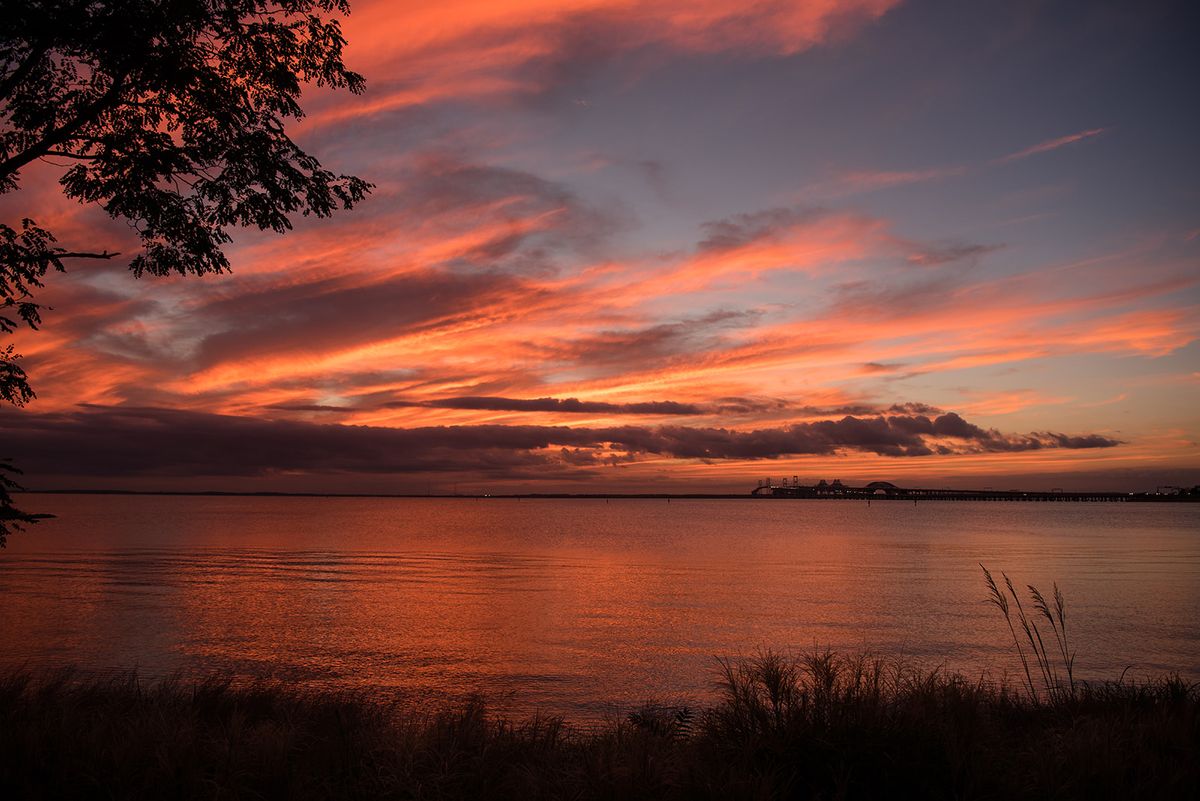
[(170, 115)]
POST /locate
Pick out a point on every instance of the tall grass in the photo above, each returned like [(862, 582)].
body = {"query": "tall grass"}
[(1048, 663), (818, 726)]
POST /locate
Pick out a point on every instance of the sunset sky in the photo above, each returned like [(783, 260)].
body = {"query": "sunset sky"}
[(645, 246)]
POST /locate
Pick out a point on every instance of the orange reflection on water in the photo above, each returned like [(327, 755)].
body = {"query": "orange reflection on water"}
[(576, 606)]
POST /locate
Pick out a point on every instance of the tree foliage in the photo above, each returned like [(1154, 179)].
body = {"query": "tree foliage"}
[(169, 115)]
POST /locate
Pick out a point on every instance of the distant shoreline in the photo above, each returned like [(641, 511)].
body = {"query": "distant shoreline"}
[(698, 496), (528, 495)]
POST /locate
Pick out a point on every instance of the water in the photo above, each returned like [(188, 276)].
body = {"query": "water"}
[(579, 607)]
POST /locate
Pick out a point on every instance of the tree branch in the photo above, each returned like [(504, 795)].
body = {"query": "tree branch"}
[(69, 155), (62, 134), (72, 254), (22, 71)]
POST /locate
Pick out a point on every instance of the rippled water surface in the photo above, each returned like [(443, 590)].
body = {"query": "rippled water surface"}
[(578, 606)]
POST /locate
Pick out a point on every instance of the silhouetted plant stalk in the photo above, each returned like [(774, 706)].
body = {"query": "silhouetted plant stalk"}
[(1050, 666)]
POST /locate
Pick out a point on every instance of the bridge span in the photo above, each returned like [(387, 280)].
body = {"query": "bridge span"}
[(887, 491)]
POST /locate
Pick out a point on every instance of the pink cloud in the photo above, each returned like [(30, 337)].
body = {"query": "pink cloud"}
[(413, 54), (1052, 144)]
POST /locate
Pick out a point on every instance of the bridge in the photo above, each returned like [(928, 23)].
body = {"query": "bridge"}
[(887, 491)]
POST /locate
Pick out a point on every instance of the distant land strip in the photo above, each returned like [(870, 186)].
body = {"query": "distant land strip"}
[(440, 496), (1186, 496)]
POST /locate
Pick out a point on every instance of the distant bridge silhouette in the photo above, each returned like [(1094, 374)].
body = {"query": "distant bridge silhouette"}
[(887, 491)]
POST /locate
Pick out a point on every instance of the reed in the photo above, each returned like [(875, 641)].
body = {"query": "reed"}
[(1050, 665)]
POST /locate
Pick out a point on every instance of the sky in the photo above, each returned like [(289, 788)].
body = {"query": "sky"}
[(675, 246)]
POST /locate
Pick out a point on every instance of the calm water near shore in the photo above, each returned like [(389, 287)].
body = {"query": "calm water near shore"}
[(579, 607)]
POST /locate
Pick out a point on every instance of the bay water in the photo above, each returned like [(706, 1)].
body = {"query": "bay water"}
[(580, 607)]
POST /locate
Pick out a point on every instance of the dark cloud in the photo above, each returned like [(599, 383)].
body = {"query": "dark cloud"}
[(119, 441), (879, 299), (736, 405), (337, 312), (444, 197), (740, 405), (742, 229), (951, 425), (879, 367), (566, 405), (913, 408), (446, 191), (853, 409), (123, 441), (732, 406), (949, 253), (652, 346), (1083, 442)]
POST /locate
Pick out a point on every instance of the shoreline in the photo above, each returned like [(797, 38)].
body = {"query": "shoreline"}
[(698, 496)]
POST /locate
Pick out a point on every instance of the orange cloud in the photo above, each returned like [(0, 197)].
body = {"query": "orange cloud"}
[(465, 49), (1007, 402), (852, 182)]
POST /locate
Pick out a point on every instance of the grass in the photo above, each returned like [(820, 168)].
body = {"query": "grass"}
[(1047, 661), (820, 726)]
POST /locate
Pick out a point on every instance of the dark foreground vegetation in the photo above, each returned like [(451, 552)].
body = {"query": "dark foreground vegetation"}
[(823, 726), (820, 727)]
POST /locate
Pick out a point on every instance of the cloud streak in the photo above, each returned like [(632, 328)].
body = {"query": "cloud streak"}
[(475, 52), (1051, 144), (563, 405), (118, 441)]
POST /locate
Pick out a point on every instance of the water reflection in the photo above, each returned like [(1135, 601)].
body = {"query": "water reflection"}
[(570, 606)]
